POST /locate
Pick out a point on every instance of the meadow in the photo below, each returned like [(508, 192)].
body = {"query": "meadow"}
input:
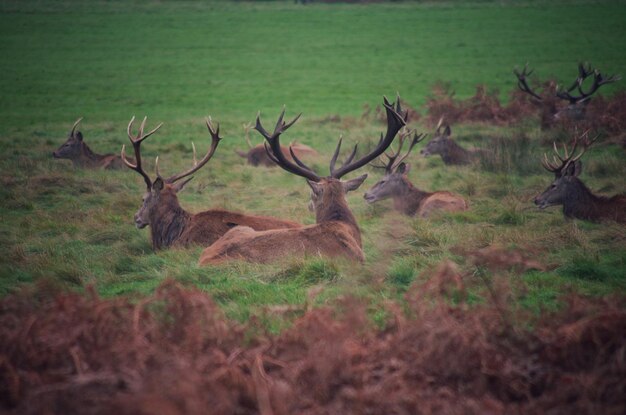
[(177, 62)]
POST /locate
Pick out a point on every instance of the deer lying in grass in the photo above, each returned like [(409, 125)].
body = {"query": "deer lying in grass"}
[(170, 224), (81, 155), (568, 190), (257, 156), (335, 233), (448, 149), (548, 101), (407, 198)]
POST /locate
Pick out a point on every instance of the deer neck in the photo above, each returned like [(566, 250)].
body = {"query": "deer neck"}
[(87, 157), (454, 153), (580, 203), (168, 220), (334, 208), (409, 198)]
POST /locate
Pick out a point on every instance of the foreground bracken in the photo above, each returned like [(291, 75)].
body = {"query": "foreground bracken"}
[(175, 353)]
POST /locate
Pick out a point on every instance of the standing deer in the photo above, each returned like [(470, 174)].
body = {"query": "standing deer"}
[(335, 233), (451, 153), (170, 224), (568, 190), (257, 156), (407, 198), (81, 155), (575, 109)]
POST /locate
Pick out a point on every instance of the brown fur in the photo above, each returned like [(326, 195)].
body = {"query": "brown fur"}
[(412, 201), (257, 156), (451, 153), (335, 233), (84, 157), (171, 225)]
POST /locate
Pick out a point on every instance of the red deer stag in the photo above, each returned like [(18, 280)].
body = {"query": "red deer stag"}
[(451, 153), (170, 224), (335, 233), (81, 155), (553, 110), (568, 190), (407, 198), (257, 156)]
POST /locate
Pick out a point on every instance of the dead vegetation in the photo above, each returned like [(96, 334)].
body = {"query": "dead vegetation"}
[(175, 353)]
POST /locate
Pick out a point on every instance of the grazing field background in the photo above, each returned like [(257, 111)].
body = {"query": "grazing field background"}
[(177, 62)]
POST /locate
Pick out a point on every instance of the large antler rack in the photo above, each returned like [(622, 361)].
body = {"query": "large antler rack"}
[(136, 142), (584, 72), (215, 140), (560, 164), (396, 119), (522, 83), (394, 159)]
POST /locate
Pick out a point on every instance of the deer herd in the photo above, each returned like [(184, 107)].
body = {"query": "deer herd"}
[(231, 235)]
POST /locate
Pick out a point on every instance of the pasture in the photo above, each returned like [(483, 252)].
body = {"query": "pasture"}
[(65, 228)]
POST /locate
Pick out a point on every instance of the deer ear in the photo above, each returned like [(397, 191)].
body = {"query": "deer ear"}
[(180, 185), (403, 168), (573, 169), (158, 185), (447, 132), (79, 136), (315, 187), (354, 184)]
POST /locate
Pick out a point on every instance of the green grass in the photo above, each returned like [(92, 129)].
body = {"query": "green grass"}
[(179, 61)]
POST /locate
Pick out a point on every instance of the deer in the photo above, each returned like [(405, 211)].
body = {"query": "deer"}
[(575, 96), (335, 233), (569, 191), (407, 198), (451, 153), (257, 156), (76, 150), (170, 224)]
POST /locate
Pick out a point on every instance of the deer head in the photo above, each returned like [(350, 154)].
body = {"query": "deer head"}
[(577, 98), (72, 147), (328, 193), (440, 142), (161, 193), (396, 170), (566, 170)]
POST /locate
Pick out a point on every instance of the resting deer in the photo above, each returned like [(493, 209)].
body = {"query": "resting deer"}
[(257, 156), (407, 198), (568, 190), (170, 224), (335, 233), (81, 155), (451, 153), (575, 109)]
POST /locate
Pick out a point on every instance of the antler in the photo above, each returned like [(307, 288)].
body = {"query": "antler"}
[(274, 152), (396, 119), (75, 125), (585, 72), (246, 128), (557, 166), (392, 159), (522, 84), (136, 141)]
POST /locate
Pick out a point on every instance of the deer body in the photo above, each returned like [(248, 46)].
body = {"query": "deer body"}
[(580, 203), (170, 224), (451, 153), (335, 233), (568, 190), (76, 150), (257, 156)]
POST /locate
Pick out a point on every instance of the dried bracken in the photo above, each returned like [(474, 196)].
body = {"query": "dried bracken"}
[(175, 353)]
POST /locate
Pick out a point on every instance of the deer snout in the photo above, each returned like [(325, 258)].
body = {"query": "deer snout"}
[(55, 155), (139, 223), (424, 152), (369, 197)]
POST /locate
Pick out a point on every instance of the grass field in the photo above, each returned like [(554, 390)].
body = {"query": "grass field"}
[(180, 61)]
